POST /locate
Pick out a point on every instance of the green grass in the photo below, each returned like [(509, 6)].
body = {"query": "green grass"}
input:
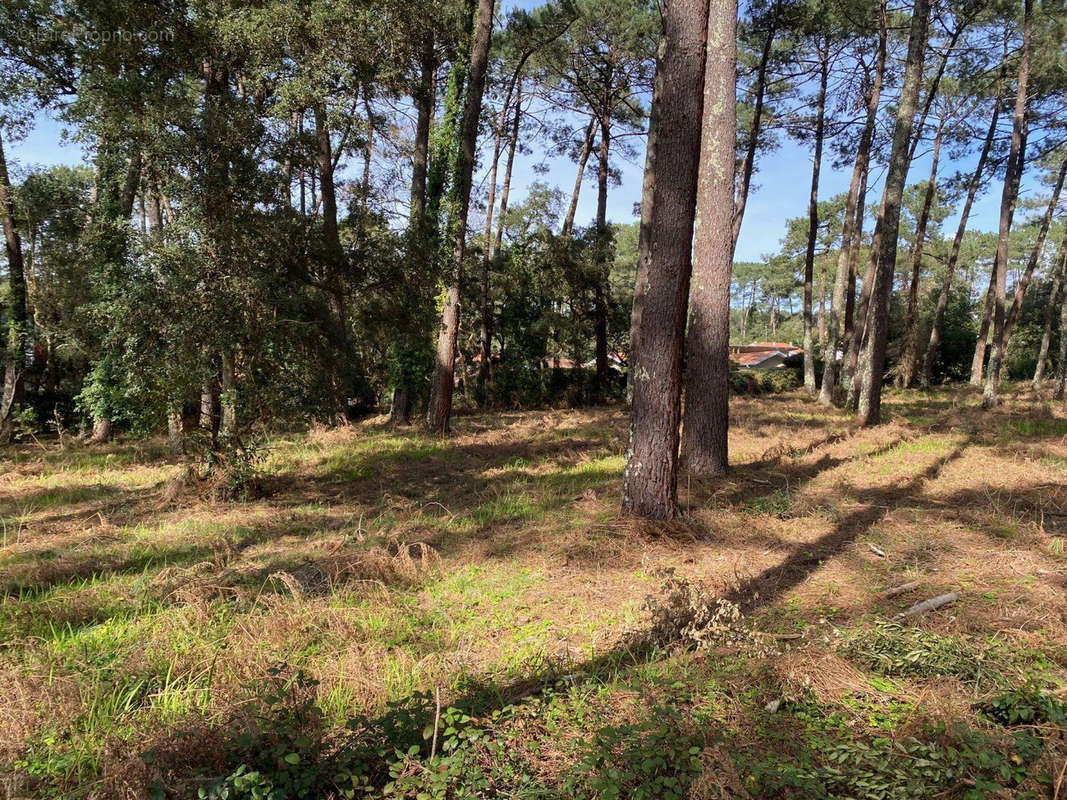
[(384, 567)]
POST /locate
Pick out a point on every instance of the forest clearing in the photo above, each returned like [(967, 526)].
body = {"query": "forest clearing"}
[(533, 399), (154, 637)]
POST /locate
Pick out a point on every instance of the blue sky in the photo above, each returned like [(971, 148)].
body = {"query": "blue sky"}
[(782, 185)]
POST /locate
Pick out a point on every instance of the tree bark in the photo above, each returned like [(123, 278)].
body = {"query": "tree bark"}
[(418, 229), (509, 168), (1061, 365), (666, 244), (1035, 256), (927, 371), (707, 387), (439, 416), (749, 161), (813, 219), (843, 296), (1007, 209), (228, 398), (603, 245), (492, 244), (877, 330), (208, 401), (1050, 315), (335, 260), (583, 159), (910, 355), (982, 341), (849, 322), (18, 317)]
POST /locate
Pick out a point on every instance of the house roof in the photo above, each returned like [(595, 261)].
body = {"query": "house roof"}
[(781, 347), (756, 358)]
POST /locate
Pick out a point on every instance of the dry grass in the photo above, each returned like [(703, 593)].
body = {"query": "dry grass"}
[(386, 563)]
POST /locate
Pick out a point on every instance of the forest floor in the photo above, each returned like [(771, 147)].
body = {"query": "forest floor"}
[(155, 643)]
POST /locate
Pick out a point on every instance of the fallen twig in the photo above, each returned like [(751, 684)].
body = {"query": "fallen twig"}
[(932, 604), (904, 587), (878, 551)]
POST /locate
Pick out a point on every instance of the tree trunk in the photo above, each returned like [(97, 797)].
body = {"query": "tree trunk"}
[(749, 161), (228, 398), (101, 431), (650, 485), (368, 149), (418, 228), (910, 354), (583, 159), (174, 430), (130, 185), (982, 341), (843, 297), (1017, 160), (603, 245), (927, 371), (208, 401), (335, 261), (1035, 256), (849, 322), (813, 219), (1050, 314), (490, 246), (17, 316), (1061, 365), (707, 387), (439, 415), (509, 166), (877, 330)]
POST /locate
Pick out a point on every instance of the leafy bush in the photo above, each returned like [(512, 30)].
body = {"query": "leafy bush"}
[(655, 759), (281, 748), (1024, 706)]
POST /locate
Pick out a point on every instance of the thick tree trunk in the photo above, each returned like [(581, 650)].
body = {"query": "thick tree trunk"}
[(583, 159), (877, 332), (910, 354), (1010, 195), (439, 416), (927, 371), (666, 241), (844, 293), (752, 143), (17, 315), (813, 219), (707, 386), (1050, 314), (101, 431)]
